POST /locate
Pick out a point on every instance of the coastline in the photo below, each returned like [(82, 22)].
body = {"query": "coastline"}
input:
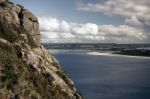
[(116, 55), (100, 53)]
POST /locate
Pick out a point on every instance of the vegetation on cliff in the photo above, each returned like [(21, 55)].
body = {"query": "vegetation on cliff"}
[(27, 70)]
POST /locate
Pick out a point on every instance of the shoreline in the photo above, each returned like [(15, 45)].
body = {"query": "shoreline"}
[(102, 53), (116, 55)]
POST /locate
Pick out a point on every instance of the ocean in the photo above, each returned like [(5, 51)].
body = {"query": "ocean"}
[(106, 76)]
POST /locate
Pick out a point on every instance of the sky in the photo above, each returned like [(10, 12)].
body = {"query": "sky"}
[(92, 21)]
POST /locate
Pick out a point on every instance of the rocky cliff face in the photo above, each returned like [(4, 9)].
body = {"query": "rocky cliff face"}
[(27, 70)]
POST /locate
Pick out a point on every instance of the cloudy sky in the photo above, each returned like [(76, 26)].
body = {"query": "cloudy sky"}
[(92, 21)]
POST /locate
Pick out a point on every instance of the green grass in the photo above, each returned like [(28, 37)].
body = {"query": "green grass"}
[(13, 69), (5, 32), (9, 78)]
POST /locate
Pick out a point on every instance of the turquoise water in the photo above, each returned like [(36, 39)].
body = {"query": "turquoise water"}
[(105, 76)]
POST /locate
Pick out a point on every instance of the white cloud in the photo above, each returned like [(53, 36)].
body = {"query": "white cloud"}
[(83, 29), (67, 36), (52, 24), (53, 30), (64, 26), (49, 24), (122, 31)]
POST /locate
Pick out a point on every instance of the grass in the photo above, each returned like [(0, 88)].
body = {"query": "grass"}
[(45, 88), (15, 76), (5, 32), (9, 78)]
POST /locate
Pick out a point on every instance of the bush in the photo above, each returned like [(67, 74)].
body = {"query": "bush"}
[(5, 32)]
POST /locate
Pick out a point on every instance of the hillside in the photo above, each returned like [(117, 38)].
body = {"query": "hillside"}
[(27, 70)]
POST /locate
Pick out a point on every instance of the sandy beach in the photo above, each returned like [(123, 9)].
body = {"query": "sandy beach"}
[(115, 55)]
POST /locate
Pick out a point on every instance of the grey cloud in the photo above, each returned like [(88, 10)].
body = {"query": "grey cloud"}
[(125, 8), (129, 9), (135, 12)]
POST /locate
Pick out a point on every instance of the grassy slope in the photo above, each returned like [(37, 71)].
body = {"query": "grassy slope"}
[(17, 78)]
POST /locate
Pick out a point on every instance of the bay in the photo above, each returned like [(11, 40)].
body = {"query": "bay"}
[(106, 76)]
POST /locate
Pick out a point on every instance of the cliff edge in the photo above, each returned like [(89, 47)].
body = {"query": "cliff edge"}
[(27, 70)]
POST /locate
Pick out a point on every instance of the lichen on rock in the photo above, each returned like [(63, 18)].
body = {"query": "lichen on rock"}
[(27, 70)]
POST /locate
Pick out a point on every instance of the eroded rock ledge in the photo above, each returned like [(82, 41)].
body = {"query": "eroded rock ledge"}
[(27, 70)]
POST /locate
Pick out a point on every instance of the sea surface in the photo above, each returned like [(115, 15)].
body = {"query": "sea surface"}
[(106, 76)]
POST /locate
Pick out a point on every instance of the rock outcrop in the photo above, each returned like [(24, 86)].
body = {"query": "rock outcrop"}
[(27, 70)]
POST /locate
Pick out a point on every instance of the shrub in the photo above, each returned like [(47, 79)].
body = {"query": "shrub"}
[(5, 32)]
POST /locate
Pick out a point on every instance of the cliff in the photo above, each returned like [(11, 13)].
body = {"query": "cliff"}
[(27, 70)]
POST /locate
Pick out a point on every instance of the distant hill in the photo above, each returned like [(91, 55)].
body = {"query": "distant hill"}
[(95, 46)]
